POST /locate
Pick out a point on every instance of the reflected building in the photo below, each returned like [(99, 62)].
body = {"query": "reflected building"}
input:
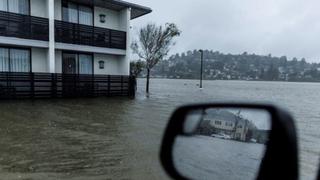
[(228, 125)]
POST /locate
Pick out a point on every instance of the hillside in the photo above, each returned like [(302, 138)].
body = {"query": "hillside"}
[(219, 66)]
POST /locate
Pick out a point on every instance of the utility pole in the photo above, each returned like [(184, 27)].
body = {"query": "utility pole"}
[(201, 70)]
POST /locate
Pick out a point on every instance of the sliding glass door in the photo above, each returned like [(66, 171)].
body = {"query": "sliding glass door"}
[(85, 64), (70, 12), (15, 6), (69, 63), (19, 60), (85, 15), (77, 63), (19, 6), (75, 13), (3, 5), (14, 60), (4, 60)]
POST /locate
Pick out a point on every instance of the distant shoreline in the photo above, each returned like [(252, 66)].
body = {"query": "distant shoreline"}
[(235, 80)]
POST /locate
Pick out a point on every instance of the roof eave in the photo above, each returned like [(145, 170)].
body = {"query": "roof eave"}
[(118, 5), (147, 12)]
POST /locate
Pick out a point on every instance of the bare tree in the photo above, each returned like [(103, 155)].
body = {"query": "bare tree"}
[(237, 119), (153, 44)]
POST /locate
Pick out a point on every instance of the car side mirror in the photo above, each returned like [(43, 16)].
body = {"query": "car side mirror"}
[(230, 141)]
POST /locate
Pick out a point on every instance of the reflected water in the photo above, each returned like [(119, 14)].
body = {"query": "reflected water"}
[(204, 157)]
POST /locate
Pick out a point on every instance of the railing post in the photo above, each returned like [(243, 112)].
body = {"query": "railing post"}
[(8, 84), (75, 38), (7, 77), (8, 23), (121, 92), (93, 85), (32, 85), (92, 37), (109, 84), (30, 28), (132, 87), (110, 44), (76, 83), (53, 85)]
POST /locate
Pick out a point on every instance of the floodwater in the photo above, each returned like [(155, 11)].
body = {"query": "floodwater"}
[(119, 138), (205, 157)]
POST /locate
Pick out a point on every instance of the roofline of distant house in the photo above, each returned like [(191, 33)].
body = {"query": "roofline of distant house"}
[(146, 10)]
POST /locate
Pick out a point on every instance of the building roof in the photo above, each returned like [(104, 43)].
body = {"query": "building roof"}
[(220, 115), (118, 5)]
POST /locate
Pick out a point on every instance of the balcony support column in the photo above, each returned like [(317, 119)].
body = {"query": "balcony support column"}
[(128, 42), (51, 50), (125, 24)]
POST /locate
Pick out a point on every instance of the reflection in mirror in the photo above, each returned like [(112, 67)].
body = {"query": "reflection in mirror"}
[(225, 143)]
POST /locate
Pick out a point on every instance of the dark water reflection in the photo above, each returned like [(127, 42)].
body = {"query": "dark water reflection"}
[(118, 138)]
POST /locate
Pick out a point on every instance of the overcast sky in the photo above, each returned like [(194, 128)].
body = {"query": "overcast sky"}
[(279, 27)]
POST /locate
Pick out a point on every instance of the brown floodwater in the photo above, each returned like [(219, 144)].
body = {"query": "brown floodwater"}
[(119, 138), (101, 138)]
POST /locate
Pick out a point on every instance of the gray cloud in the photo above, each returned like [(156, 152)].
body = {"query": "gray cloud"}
[(279, 27)]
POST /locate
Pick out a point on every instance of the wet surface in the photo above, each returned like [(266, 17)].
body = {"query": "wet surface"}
[(118, 138), (205, 157), (71, 137)]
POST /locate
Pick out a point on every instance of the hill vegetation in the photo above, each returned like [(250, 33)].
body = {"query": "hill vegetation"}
[(219, 66)]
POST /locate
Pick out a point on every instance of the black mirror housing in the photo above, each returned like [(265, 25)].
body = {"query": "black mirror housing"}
[(281, 157)]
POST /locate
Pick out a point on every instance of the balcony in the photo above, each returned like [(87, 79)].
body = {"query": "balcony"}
[(72, 33), (24, 26)]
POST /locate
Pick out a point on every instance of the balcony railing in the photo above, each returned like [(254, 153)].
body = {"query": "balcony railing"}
[(37, 28), (79, 34), (24, 26), (45, 85)]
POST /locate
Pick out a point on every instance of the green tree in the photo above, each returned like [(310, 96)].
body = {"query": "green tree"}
[(153, 44), (273, 73), (136, 67)]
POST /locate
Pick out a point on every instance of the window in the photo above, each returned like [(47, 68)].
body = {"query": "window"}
[(74, 13), (228, 124), (15, 6), (238, 135), (14, 60), (217, 122)]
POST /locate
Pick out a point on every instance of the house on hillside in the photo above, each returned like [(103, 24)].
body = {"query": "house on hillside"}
[(227, 123), (70, 37)]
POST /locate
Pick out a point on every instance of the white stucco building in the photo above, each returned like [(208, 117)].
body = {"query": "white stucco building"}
[(224, 122), (66, 36)]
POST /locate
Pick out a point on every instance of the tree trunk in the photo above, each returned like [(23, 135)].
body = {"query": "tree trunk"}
[(148, 81)]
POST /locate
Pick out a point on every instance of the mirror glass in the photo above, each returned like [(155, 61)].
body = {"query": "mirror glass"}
[(222, 143)]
